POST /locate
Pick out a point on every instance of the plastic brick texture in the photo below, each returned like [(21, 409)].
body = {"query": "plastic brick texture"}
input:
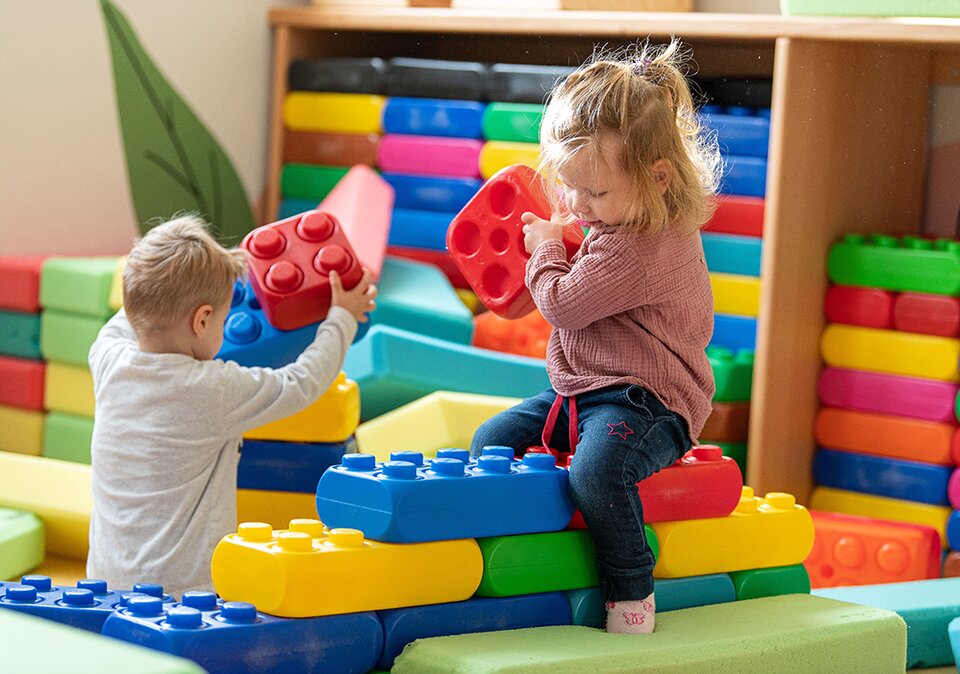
[(431, 193), (344, 75), (733, 374), (332, 418), (912, 397), (306, 181), (734, 332), (21, 382), (425, 230), (522, 83), (728, 422), (20, 283), (433, 117), (927, 314), (866, 307), (513, 122), (78, 285), (286, 466), (771, 581), (891, 352), (67, 337), (737, 215), (885, 435), (893, 478), (333, 112), (429, 78), (735, 294), (732, 254), (331, 149), (497, 155), (904, 263)]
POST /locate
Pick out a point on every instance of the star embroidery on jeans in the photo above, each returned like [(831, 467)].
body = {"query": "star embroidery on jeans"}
[(620, 429)]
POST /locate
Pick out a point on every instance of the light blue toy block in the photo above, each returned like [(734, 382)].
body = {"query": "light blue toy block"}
[(734, 332), (433, 117), (732, 254), (394, 367), (740, 132), (746, 176), (78, 285), (419, 229), (431, 193)]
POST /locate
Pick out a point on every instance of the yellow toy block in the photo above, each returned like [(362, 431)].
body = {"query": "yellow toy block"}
[(891, 352), (498, 154), (760, 533), (333, 113), (68, 388), (332, 418), (469, 299), (276, 508), (306, 571), (440, 419), (21, 431), (880, 507), (115, 299), (58, 492), (735, 294)]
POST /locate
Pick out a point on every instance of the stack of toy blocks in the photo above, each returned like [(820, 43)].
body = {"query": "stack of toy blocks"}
[(888, 431)]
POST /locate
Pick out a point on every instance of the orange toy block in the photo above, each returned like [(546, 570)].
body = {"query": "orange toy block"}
[(883, 435), (951, 565), (525, 336), (853, 550)]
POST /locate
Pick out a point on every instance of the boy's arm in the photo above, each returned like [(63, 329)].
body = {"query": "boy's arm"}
[(116, 333)]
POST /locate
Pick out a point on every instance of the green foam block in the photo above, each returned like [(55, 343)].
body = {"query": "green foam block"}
[(79, 285), (732, 372), (791, 634), (305, 181), (67, 437), (770, 582), (20, 334), (515, 122), (67, 338), (21, 543)]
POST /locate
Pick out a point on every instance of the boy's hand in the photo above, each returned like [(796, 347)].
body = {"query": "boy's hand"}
[(537, 230), (359, 301)]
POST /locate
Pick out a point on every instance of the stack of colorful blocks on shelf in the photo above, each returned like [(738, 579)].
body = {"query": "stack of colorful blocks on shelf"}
[(887, 431)]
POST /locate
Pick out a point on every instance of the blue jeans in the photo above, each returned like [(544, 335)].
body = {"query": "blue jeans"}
[(624, 435)]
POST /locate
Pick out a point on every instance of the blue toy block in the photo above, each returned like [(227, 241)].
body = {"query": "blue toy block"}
[(405, 501), (290, 207), (893, 478), (287, 466), (419, 229), (763, 113), (927, 606), (739, 132), (234, 638), (953, 530), (734, 332), (433, 117), (403, 626), (588, 607), (431, 193), (732, 254), (746, 176), (418, 297), (394, 367), (20, 335)]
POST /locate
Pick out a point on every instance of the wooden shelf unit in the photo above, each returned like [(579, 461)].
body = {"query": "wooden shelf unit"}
[(847, 145)]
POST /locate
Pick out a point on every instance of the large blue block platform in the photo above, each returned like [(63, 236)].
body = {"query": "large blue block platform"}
[(287, 466), (433, 117), (419, 229), (732, 254), (893, 478), (431, 193), (734, 332)]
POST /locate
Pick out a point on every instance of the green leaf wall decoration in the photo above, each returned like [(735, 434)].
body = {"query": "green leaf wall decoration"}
[(173, 161)]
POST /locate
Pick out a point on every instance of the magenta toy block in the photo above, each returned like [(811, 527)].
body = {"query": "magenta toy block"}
[(866, 307), (486, 239), (927, 314), (888, 394), (362, 202), (20, 283), (430, 155), (290, 262)]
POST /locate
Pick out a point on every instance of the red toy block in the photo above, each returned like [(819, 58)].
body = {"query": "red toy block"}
[(289, 265), (21, 382), (702, 484), (853, 550), (525, 336), (485, 239), (927, 314), (20, 283), (362, 201), (867, 307), (435, 257), (737, 215)]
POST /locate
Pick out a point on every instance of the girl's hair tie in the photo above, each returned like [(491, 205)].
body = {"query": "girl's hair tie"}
[(642, 66)]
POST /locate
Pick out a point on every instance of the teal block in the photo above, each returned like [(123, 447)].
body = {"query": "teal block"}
[(953, 632), (672, 594), (394, 367), (67, 338), (67, 437), (927, 606), (419, 298), (20, 334), (78, 285), (21, 543)]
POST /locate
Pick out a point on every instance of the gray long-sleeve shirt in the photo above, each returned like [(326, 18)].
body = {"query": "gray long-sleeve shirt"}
[(165, 449)]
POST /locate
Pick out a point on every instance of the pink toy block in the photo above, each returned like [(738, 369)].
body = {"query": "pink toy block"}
[(429, 155), (888, 394), (20, 283), (485, 239), (21, 382), (866, 307), (927, 314), (362, 202), (953, 489), (290, 261)]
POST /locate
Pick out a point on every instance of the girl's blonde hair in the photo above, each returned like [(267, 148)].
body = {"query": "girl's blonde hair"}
[(174, 269), (641, 95)]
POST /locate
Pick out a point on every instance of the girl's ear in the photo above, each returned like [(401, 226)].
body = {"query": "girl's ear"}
[(201, 319), (662, 172)]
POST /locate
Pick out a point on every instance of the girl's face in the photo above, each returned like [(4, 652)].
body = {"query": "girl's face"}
[(594, 185)]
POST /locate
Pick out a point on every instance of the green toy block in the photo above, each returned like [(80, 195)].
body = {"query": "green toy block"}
[(67, 338), (735, 450), (20, 334), (907, 263), (733, 374), (21, 543), (936, 8), (67, 437), (791, 634), (33, 645), (78, 285), (776, 580), (530, 563), (305, 181), (516, 122)]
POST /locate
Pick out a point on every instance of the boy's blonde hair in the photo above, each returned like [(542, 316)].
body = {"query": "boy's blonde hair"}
[(641, 95), (174, 269)]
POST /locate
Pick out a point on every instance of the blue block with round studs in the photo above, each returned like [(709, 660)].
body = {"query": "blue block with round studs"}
[(405, 500), (234, 638)]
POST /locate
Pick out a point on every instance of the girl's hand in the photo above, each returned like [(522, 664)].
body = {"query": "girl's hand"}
[(537, 230), (359, 301)]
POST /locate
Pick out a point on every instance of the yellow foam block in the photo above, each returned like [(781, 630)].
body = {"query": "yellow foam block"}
[(891, 352), (332, 418), (58, 492), (438, 420), (115, 299), (735, 294), (469, 299), (276, 508), (308, 571), (880, 507), (68, 388), (760, 533), (21, 431), (333, 113), (498, 154)]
